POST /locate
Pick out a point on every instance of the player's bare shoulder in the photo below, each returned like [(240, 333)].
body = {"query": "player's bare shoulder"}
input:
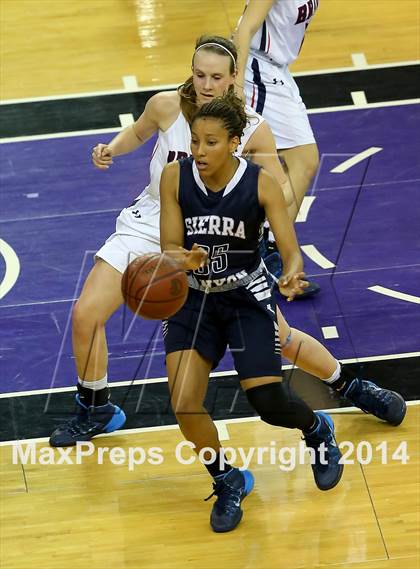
[(169, 178), (267, 186), (165, 108)]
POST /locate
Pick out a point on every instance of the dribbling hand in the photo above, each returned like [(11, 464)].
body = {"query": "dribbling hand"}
[(195, 259), (102, 156), (291, 286)]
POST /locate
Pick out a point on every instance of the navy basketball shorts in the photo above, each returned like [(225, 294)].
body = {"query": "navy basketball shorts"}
[(243, 319)]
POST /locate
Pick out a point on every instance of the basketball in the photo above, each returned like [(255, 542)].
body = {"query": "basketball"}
[(154, 286)]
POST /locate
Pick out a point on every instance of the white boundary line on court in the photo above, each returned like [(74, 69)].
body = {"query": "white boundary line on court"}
[(121, 91), (12, 267), (359, 98), (212, 375), (305, 206), (119, 128), (220, 424), (395, 294), (57, 215), (317, 257), (347, 164), (367, 106), (126, 90), (69, 134), (359, 60), (330, 332)]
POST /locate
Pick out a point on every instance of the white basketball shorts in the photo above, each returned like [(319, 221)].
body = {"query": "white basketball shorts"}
[(136, 233), (271, 90)]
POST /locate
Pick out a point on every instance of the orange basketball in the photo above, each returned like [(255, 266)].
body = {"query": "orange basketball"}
[(154, 286)]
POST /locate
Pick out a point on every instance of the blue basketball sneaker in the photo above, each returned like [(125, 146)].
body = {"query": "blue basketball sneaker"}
[(230, 491), (88, 422), (383, 403), (326, 467)]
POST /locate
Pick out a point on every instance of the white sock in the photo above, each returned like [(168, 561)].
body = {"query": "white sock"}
[(335, 375), (95, 385)]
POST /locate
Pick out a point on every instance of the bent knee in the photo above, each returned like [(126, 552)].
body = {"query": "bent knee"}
[(310, 162), (305, 157), (87, 312)]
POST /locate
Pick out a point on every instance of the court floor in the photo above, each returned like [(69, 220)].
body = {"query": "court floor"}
[(134, 514), (358, 231)]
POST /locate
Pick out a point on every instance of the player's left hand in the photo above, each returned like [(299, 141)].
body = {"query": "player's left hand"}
[(291, 286)]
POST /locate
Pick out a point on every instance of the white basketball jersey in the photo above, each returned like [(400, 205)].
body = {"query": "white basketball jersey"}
[(172, 144), (282, 33)]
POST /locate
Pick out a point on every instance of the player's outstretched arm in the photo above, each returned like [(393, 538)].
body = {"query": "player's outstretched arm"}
[(272, 199), (158, 112), (172, 223), (248, 25)]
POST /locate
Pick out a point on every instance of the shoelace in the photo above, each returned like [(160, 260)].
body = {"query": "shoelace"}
[(81, 425), (314, 441), (382, 396), (229, 497)]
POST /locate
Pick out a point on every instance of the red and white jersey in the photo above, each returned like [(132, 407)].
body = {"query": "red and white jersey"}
[(282, 33)]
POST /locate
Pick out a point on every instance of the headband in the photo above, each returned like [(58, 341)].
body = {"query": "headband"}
[(217, 45)]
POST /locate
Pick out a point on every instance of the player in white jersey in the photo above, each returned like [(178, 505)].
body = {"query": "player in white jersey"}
[(137, 231), (269, 37)]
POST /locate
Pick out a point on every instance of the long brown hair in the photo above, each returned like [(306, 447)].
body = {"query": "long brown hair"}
[(186, 90)]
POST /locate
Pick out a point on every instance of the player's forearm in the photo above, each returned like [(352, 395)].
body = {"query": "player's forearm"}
[(249, 24), (242, 39), (125, 142), (292, 262)]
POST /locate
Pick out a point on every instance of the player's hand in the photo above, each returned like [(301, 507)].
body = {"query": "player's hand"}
[(102, 156), (292, 285), (196, 258)]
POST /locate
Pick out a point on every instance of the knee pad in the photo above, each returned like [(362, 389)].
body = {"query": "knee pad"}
[(277, 405)]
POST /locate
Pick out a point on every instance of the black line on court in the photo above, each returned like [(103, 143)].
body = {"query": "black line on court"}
[(374, 511), (155, 410), (102, 111), (340, 250), (24, 478)]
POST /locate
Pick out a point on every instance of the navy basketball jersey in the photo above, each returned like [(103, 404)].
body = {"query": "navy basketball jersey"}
[(227, 224)]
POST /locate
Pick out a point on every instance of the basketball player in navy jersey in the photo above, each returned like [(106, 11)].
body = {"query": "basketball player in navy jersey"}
[(269, 37), (213, 207)]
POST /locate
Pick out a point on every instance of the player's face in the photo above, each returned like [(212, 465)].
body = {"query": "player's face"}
[(211, 75), (211, 146)]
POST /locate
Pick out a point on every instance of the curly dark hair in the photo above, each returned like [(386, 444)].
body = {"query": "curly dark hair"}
[(229, 109)]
